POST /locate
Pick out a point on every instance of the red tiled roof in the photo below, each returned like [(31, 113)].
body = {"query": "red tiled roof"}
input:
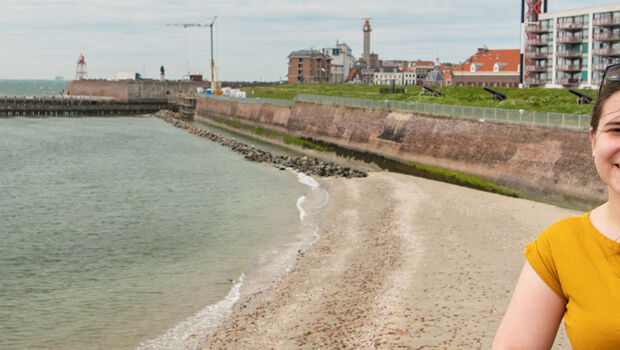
[(444, 68), (351, 74), (485, 61), (447, 75), (421, 63)]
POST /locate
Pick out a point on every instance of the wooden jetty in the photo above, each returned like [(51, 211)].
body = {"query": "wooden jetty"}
[(63, 105)]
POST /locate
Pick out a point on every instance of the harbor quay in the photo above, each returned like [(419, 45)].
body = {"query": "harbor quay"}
[(42, 106)]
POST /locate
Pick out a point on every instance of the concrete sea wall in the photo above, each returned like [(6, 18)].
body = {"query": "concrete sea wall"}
[(549, 164), (132, 90)]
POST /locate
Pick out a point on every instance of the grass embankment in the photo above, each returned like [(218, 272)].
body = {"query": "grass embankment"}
[(537, 99)]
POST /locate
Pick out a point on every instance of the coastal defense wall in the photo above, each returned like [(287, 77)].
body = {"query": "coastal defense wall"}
[(545, 163), (131, 90), (116, 89)]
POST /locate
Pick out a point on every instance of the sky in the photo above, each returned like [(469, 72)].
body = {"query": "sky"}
[(43, 39)]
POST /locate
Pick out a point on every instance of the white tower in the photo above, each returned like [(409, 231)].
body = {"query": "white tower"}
[(366, 29)]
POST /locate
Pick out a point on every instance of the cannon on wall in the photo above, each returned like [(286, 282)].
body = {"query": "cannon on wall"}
[(582, 99), (497, 96), (433, 92)]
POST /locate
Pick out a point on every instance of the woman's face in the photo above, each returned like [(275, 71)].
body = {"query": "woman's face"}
[(606, 144)]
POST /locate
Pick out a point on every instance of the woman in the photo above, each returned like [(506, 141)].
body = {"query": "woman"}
[(573, 267)]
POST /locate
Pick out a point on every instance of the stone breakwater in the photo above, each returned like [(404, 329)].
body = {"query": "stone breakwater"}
[(306, 165)]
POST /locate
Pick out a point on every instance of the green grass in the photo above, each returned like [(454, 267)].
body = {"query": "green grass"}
[(537, 99)]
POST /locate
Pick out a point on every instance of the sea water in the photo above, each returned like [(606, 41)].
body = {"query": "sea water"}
[(16, 87), (118, 233)]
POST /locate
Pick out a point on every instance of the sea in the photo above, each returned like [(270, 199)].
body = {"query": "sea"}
[(129, 233)]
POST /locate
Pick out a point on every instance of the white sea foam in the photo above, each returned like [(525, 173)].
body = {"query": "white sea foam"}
[(184, 334), (307, 180), (300, 202)]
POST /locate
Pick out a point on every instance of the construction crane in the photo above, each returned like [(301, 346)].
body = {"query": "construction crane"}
[(216, 87)]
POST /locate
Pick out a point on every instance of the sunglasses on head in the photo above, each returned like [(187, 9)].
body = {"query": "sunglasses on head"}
[(612, 72)]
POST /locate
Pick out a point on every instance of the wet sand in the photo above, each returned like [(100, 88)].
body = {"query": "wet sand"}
[(402, 263)]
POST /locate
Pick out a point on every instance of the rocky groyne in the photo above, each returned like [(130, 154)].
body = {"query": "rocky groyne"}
[(306, 165)]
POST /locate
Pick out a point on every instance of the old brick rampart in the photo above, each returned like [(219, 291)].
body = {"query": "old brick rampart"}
[(549, 164), (131, 90)]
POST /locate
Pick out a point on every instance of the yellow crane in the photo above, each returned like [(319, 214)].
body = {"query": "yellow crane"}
[(216, 87)]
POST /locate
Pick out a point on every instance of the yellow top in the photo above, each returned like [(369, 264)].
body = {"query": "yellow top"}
[(582, 266)]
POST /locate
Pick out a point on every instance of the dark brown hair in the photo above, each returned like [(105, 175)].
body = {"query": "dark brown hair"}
[(609, 88)]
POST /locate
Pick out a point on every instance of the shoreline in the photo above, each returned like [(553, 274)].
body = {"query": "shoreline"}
[(409, 269), (270, 268)]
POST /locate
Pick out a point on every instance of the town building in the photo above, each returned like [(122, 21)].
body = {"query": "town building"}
[(416, 71), (570, 48), (342, 61), (385, 76), (308, 66), (492, 68), (435, 77)]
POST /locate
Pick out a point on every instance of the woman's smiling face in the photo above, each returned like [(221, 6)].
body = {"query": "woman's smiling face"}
[(606, 144)]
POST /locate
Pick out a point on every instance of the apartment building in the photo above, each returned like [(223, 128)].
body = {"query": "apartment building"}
[(342, 61), (308, 66), (571, 48)]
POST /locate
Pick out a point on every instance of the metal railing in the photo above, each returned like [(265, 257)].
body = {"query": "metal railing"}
[(273, 101), (565, 120)]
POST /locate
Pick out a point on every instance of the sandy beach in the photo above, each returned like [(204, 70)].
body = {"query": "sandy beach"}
[(401, 263)]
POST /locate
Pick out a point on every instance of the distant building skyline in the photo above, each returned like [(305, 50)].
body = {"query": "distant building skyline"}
[(43, 39)]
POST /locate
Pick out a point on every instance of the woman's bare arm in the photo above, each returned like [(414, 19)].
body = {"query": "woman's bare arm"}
[(533, 315)]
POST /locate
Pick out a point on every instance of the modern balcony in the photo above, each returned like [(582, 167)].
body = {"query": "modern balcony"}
[(571, 39), (609, 36), (570, 67), (537, 28), (568, 81), (536, 81), (606, 51), (537, 55), (570, 53), (538, 42), (606, 21), (572, 25), (537, 68)]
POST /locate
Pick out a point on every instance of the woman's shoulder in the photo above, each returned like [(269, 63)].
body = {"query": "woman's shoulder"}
[(567, 230)]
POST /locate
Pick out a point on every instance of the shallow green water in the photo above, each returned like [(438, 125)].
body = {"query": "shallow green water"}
[(116, 229)]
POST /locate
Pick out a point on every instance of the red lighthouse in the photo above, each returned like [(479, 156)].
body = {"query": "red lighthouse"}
[(80, 71)]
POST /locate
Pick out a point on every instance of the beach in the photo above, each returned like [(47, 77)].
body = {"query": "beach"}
[(401, 262)]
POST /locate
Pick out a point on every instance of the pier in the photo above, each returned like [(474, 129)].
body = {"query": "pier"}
[(62, 105)]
